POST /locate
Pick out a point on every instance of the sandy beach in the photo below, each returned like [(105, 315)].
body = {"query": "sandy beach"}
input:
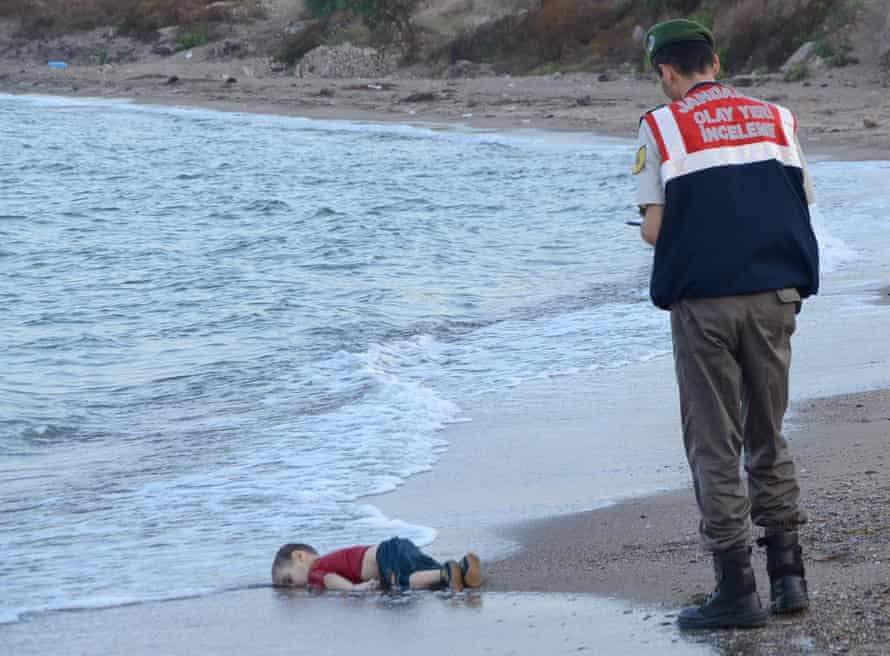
[(643, 552), (842, 113), (648, 549)]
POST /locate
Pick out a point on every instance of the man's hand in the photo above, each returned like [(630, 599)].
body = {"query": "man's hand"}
[(651, 223)]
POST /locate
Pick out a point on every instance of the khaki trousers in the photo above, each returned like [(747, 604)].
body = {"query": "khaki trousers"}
[(732, 356)]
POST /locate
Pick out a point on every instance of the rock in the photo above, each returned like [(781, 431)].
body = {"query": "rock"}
[(173, 79), (801, 56), (163, 49), (608, 76), (869, 123), (346, 61), (169, 34), (231, 80), (466, 68), (584, 101), (742, 81), (423, 96), (277, 67), (326, 92), (228, 49)]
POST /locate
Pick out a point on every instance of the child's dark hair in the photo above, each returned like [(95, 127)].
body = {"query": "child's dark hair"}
[(688, 57), (284, 554)]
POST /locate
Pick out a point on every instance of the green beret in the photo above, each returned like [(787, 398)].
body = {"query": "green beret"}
[(674, 31)]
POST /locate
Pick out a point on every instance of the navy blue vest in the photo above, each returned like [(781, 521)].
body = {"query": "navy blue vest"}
[(736, 219)]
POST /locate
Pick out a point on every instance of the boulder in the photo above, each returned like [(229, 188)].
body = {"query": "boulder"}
[(228, 49), (421, 96), (801, 56), (346, 61), (465, 68), (168, 41)]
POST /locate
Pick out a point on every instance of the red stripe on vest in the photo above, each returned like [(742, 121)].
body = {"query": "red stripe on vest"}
[(727, 122), (653, 125)]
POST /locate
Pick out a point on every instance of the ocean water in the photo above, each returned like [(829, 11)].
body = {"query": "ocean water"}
[(222, 331)]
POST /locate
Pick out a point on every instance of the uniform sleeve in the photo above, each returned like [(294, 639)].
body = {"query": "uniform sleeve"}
[(647, 169)]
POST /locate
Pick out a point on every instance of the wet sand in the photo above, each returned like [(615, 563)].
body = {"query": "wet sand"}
[(266, 622), (648, 549)]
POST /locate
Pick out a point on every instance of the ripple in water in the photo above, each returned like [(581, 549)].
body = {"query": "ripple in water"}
[(223, 330)]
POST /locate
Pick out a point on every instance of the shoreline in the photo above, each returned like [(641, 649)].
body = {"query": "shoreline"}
[(647, 550), (833, 113), (626, 568), (627, 562)]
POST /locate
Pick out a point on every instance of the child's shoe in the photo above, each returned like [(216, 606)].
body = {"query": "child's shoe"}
[(471, 569), (452, 576)]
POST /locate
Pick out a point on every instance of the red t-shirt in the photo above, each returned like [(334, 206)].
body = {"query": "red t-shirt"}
[(345, 562)]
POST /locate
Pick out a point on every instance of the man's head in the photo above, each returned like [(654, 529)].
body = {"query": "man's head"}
[(291, 565), (682, 54)]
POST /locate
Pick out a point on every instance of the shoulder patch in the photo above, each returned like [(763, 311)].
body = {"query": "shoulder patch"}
[(640, 161)]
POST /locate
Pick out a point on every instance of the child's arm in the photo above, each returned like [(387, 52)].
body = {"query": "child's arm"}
[(336, 582)]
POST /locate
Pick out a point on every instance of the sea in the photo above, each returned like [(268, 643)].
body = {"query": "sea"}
[(226, 331)]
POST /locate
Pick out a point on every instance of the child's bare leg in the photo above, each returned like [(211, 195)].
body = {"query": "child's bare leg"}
[(426, 578)]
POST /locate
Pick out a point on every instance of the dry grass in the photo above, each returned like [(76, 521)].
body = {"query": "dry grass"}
[(40, 18)]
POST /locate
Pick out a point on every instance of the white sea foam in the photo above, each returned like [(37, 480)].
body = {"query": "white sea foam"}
[(201, 432)]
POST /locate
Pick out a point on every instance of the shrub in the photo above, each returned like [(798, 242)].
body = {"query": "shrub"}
[(324, 8), (797, 73), (356, 33), (391, 17), (297, 45), (196, 37), (662, 6), (766, 32)]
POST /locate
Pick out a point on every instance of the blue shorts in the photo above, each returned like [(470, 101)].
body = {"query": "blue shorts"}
[(401, 558)]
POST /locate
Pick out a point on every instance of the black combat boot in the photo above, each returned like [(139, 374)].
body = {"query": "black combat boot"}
[(784, 563), (735, 603)]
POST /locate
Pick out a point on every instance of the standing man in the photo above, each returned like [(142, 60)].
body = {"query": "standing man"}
[(724, 192)]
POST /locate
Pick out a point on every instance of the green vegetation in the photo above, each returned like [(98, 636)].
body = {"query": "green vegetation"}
[(550, 68), (324, 8), (198, 36), (836, 56), (662, 6), (387, 19), (704, 14), (356, 33), (841, 13), (297, 45), (797, 73)]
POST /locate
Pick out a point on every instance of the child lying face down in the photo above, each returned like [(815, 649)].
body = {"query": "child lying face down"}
[(394, 563)]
